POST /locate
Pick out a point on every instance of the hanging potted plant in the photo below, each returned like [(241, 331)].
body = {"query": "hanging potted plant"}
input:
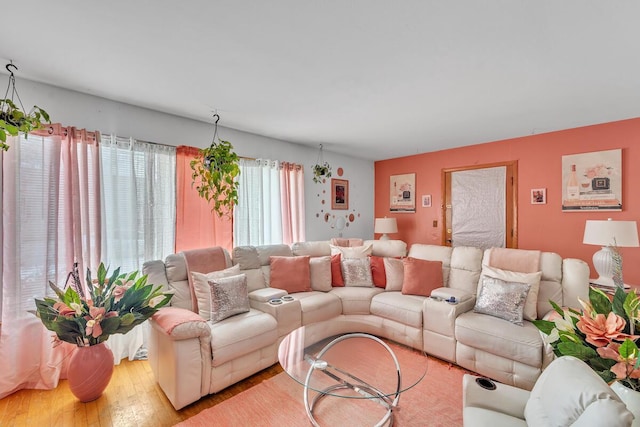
[(13, 119), (321, 169), (215, 170)]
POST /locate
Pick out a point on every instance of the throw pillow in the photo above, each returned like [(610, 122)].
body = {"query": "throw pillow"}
[(352, 252), (502, 299), (357, 272), (533, 279), (229, 296), (203, 290), (320, 273), (336, 271), (377, 271), (394, 270), (421, 276), (290, 273)]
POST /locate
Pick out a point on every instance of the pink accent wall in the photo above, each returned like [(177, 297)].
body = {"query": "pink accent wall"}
[(539, 157)]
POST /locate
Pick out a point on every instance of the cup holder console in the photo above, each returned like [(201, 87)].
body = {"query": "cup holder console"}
[(486, 383)]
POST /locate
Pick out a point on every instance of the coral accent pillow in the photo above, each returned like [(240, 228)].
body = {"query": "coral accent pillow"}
[(421, 276), (336, 271), (378, 272), (290, 273)]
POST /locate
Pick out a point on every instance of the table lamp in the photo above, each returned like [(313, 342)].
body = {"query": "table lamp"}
[(385, 225), (606, 234)]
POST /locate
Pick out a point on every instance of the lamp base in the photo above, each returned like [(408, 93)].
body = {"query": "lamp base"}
[(605, 267), (385, 236)]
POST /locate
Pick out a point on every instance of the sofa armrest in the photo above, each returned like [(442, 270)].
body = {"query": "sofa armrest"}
[(505, 399), (180, 324), (180, 354), (439, 315)]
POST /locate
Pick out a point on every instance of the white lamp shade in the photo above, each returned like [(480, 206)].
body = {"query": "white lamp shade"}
[(384, 226), (608, 232)]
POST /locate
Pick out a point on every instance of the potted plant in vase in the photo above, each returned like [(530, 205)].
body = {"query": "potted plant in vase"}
[(13, 119), (603, 335), (114, 305)]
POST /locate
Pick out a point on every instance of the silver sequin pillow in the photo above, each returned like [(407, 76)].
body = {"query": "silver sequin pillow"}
[(356, 272), (229, 296), (502, 299)]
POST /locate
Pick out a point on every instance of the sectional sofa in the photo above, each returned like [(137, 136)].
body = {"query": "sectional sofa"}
[(192, 355)]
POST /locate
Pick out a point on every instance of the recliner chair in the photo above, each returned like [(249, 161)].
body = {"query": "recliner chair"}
[(567, 393)]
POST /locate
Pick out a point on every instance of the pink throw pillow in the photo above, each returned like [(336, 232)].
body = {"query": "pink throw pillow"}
[(421, 276), (336, 271), (290, 273), (378, 272)]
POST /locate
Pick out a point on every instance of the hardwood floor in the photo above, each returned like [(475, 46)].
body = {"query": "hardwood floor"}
[(132, 399)]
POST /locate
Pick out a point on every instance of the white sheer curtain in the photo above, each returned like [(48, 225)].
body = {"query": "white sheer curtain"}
[(138, 194), (50, 219), (258, 215)]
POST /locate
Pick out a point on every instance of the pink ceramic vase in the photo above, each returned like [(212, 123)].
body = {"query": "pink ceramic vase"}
[(90, 370)]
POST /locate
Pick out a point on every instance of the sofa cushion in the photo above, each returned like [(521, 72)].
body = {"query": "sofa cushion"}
[(336, 270), (421, 276), (501, 299), (495, 336), (532, 279), (356, 272), (178, 282), (255, 279), (265, 252), (318, 306), (378, 273), (352, 252), (319, 248), (388, 248), (320, 268), (291, 273), (229, 296), (247, 257), (356, 300), (406, 309), (394, 272), (203, 289), (242, 334)]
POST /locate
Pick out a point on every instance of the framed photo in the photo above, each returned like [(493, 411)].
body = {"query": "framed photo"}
[(403, 193), (592, 181), (539, 196), (426, 201), (339, 194)]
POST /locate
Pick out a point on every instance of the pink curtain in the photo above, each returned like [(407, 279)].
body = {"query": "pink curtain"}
[(50, 219), (196, 225), (292, 200)]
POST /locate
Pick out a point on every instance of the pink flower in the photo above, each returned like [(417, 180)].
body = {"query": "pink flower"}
[(64, 309), (118, 292), (96, 315), (624, 368), (601, 330)]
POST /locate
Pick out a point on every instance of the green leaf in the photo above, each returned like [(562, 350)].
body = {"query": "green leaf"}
[(599, 301), (580, 351), (628, 349), (544, 326)]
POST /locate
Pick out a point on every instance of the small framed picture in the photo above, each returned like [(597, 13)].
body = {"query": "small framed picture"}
[(426, 201), (539, 196), (339, 194)]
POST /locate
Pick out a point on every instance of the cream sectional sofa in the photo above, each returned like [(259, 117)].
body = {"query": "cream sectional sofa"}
[(191, 357)]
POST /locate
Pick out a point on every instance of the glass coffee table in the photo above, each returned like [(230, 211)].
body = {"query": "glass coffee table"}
[(350, 366)]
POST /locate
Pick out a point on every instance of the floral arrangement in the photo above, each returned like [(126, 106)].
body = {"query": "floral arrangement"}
[(114, 305), (602, 335)]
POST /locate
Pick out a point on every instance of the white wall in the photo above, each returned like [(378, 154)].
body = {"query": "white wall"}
[(94, 113)]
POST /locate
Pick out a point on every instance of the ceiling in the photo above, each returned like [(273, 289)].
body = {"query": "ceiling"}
[(371, 78)]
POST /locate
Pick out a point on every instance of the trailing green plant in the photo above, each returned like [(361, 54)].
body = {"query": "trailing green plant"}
[(215, 172), (13, 119), (321, 171)]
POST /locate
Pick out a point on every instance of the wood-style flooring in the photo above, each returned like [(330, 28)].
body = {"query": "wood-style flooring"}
[(133, 398)]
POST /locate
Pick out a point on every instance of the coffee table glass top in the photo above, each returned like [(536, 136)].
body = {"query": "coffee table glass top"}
[(352, 366)]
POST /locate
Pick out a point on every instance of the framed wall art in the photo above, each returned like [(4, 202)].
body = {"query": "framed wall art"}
[(592, 181), (426, 201), (339, 194), (403, 193), (539, 196)]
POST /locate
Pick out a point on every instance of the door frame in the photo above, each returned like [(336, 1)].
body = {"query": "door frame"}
[(511, 202)]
